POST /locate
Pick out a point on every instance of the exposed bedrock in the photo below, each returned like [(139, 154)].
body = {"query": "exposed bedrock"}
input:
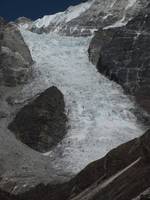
[(15, 57), (123, 55), (123, 174), (42, 123)]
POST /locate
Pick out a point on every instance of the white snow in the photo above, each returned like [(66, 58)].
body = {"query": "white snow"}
[(71, 13), (107, 15), (130, 4), (113, 3), (119, 23), (122, 21), (100, 115)]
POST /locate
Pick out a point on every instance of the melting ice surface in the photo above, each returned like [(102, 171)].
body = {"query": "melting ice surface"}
[(100, 115)]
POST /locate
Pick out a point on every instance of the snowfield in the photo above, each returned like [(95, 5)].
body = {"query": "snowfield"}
[(100, 115)]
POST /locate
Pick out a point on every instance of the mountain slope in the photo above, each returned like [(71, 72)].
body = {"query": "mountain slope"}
[(85, 18)]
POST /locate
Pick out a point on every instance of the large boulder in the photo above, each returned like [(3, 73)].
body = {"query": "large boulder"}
[(15, 57), (41, 124), (122, 54)]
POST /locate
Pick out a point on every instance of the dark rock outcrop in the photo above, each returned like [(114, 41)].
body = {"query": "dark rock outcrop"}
[(41, 124), (15, 57), (122, 54), (7, 196)]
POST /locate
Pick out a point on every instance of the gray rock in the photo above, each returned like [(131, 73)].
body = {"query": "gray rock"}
[(42, 123), (13, 39), (15, 57), (21, 167), (14, 69), (122, 54)]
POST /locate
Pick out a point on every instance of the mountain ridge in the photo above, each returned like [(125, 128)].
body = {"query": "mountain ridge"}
[(85, 18)]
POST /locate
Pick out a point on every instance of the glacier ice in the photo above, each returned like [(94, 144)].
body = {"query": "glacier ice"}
[(100, 115)]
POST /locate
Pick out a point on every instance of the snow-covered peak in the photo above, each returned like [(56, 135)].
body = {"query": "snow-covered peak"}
[(85, 18), (71, 13)]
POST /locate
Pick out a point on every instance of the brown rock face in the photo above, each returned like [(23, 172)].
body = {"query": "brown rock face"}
[(42, 123)]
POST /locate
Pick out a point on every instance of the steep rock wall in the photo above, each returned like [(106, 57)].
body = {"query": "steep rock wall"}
[(122, 54)]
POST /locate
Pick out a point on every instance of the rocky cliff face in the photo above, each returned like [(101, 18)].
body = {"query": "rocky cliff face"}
[(122, 54), (15, 58), (84, 19)]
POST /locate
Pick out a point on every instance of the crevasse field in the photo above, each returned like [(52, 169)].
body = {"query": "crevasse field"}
[(100, 115)]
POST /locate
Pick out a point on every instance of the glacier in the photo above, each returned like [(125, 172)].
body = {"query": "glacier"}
[(100, 114)]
